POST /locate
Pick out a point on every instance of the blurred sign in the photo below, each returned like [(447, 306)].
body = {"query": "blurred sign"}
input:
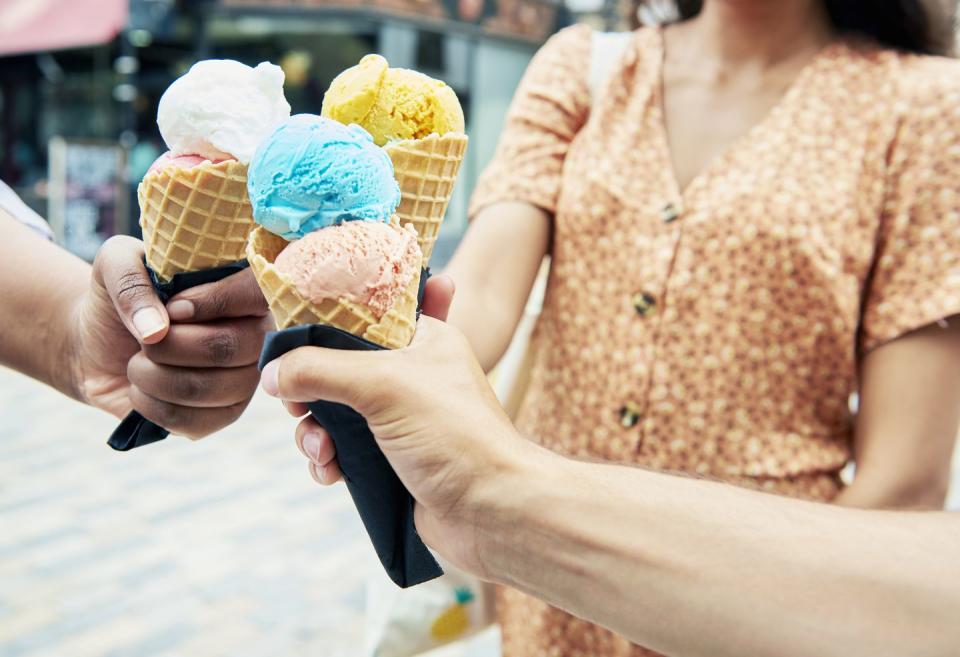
[(88, 197), (533, 20), (35, 25)]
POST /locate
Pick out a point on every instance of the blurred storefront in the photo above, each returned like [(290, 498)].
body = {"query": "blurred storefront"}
[(80, 81)]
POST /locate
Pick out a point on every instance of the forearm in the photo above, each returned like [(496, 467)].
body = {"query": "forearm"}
[(41, 284), (695, 568), (907, 421), (494, 269), (487, 325)]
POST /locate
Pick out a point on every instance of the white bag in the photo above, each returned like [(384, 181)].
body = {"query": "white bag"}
[(407, 622)]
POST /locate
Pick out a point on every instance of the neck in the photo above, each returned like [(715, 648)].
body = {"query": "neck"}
[(764, 31)]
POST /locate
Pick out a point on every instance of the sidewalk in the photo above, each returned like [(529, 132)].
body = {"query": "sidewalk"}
[(223, 547)]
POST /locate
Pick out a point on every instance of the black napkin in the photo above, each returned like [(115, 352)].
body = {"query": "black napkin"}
[(385, 505), (136, 430)]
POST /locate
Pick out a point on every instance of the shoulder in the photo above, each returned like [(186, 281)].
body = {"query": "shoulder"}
[(573, 41), (573, 44), (909, 80), (928, 84), (897, 75), (916, 92), (927, 97)]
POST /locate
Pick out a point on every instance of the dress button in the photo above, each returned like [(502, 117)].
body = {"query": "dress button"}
[(670, 213), (629, 415), (643, 303)]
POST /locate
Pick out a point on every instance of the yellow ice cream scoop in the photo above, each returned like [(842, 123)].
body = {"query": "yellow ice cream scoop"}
[(392, 103)]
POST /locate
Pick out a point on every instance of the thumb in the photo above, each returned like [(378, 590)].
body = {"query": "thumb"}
[(438, 296), (119, 269), (347, 377)]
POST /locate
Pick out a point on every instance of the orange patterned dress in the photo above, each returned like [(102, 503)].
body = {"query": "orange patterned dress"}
[(716, 329)]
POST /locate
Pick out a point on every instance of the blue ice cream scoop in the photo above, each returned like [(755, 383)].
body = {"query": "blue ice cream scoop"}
[(313, 172)]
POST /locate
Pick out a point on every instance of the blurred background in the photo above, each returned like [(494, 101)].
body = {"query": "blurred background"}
[(80, 81), (223, 547)]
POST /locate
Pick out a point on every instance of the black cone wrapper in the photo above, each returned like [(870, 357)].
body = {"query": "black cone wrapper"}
[(384, 504), (136, 430)]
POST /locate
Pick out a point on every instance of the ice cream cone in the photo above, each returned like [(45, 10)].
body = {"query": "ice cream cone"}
[(289, 308), (426, 170), (195, 218)]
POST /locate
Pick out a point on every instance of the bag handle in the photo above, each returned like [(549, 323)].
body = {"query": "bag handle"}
[(605, 51)]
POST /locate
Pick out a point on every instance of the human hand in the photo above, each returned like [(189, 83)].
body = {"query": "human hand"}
[(189, 367), (432, 412)]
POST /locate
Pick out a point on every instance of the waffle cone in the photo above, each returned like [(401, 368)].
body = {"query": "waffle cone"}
[(426, 170), (393, 330), (195, 218)]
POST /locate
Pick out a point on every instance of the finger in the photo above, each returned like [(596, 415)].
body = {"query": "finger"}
[(196, 387), (119, 268), (311, 373), (314, 442), (237, 295), (325, 475), (194, 423), (437, 296), (227, 343), (296, 409)]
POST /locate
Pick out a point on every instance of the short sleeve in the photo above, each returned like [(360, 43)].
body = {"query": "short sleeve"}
[(549, 108), (20, 211), (916, 270)]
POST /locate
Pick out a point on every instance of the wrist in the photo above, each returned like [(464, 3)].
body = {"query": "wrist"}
[(524, 477), (64, 363)]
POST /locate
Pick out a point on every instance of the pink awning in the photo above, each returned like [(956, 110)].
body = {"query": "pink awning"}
[(37, 25)]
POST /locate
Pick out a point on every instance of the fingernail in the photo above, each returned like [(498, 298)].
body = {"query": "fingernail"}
[(269, 378), (311, 445), (148, 322), (180, 310)]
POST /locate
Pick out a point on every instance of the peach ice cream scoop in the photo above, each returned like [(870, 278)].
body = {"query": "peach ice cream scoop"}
[(368, 263)]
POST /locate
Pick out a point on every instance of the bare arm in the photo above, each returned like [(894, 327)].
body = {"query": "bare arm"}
[(494, 269), (101, 335), (41, 284), (907, 422), (693, 568)]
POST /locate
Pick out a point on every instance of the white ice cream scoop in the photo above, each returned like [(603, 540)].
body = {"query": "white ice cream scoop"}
[(222, 109)]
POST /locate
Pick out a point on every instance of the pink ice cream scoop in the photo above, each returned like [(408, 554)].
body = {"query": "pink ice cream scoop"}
[(168, 159), (367, 262)]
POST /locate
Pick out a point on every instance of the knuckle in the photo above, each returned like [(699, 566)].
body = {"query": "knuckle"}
[(222, 346), (212, 304), (132, 286), (253, 295), (298, 378), (171, 417), (192, 387), (113, 247)]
